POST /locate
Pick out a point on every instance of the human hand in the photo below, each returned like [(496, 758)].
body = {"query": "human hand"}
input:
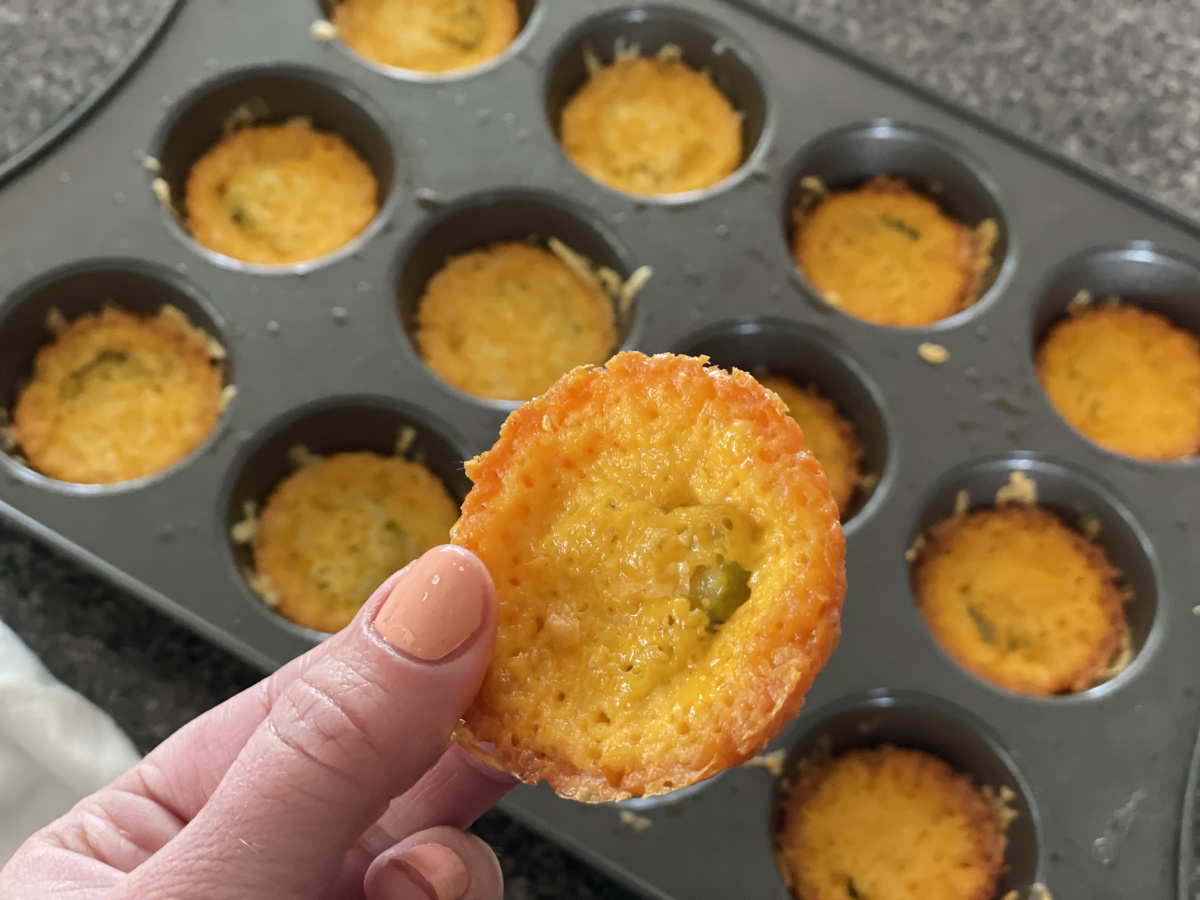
[(285, 792)]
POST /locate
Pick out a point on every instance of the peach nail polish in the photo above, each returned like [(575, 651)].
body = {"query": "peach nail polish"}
[(435, 607), (440, 866)]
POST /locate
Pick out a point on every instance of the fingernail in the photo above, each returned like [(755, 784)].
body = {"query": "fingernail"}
[(439, 866), (435, 607)]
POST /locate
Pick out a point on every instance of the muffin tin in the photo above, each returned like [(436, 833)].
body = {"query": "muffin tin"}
[(320, 354)]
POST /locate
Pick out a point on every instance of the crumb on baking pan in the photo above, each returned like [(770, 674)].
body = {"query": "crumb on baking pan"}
[(322, 30), (772, 762), (934, 354), (635, 822), (1020, 489)]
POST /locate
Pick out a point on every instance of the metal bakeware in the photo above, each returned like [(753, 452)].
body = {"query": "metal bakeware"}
[(320, 354)]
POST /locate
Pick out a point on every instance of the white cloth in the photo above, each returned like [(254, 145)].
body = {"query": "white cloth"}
[(55, 746)]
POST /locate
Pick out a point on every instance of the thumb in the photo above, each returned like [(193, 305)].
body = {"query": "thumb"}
[(357, 729)]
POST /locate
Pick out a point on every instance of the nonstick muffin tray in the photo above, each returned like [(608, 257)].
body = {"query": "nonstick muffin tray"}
[(321, 355)]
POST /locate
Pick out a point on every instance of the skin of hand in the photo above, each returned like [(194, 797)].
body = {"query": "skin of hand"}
[(330, 780)]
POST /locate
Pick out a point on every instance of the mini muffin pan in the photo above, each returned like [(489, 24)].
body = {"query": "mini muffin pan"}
[(321, 354)]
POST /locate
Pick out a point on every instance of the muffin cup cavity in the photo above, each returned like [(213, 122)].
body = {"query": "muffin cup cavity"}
[(340, 425), (507, 215), (930, 163), (921, 722), (1084, 505), (64, 294), (528, 12), (705, 46), (1139, 273), (262, 95), (808, 356)]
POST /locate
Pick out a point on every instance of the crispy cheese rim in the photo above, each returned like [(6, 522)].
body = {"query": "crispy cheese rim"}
[(598, 503)]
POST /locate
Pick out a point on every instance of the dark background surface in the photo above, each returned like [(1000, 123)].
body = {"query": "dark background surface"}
[(1115, 85)]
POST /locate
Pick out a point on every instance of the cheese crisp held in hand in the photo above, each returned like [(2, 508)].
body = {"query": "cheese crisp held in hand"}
[(670, 573)]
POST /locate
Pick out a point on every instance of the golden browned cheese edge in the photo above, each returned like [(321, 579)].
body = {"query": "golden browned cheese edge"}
[(605, 177), (1084, 676), (976, 258), (849, 438), (194, 185), (988, 837), (510, 27), (1190, 447), (746, 398), (188, 339)]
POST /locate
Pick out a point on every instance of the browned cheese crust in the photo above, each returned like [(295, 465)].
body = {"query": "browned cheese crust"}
[(888, 822), (427, 35), (652, 126), (888, 254), (279, 194), (334, 530), (507, 320), (828, 434), (1020, 599), (1127, 378), (116, 396), (670, 573)]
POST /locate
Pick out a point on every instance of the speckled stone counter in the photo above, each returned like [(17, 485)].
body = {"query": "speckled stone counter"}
[(55, 54), (1113, 84)]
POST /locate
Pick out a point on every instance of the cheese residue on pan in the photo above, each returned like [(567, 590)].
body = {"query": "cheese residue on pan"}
[(934, 354), (1020, 489)]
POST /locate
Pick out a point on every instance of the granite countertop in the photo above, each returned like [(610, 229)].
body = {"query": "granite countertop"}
[(1115, 85)]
